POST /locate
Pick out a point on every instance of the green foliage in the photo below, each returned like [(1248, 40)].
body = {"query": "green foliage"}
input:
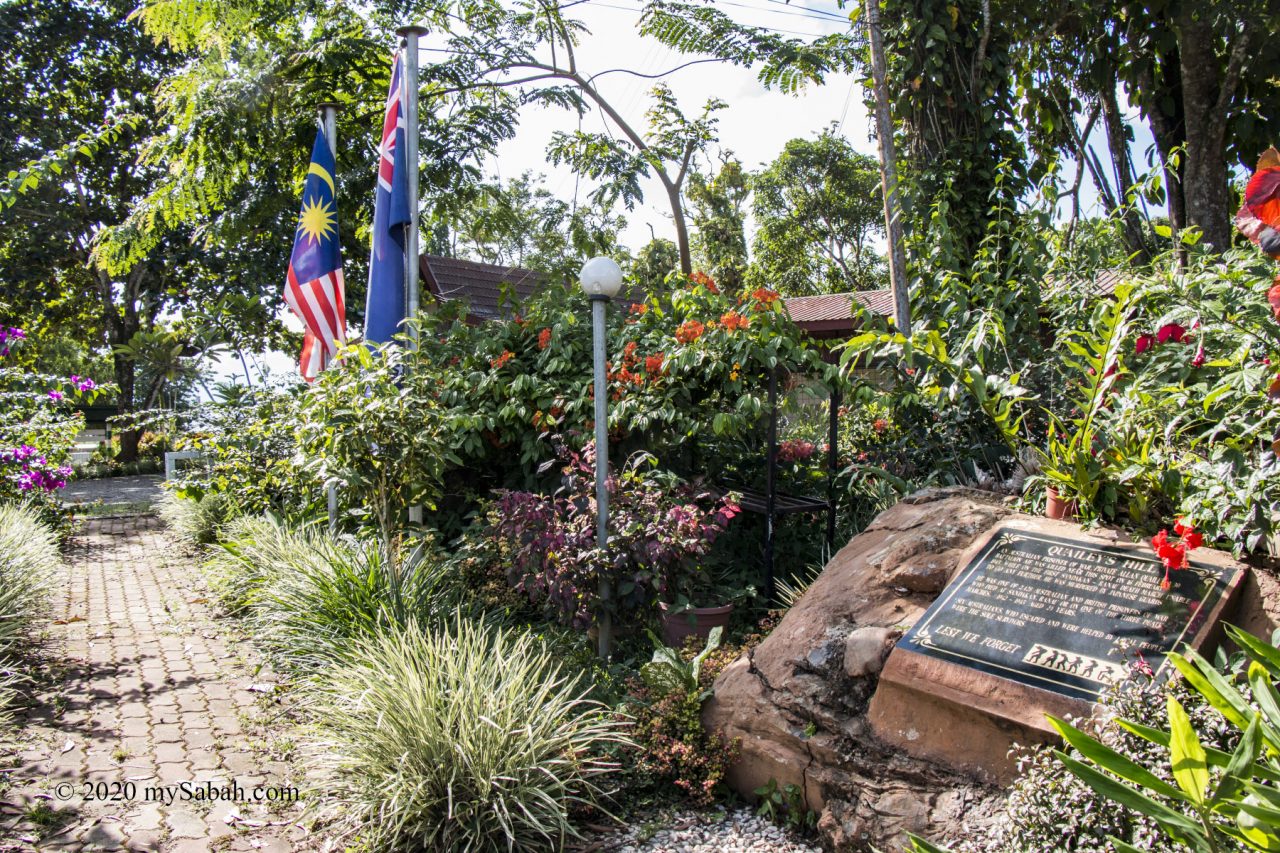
[(380, 436), (251, 456), (29, 557), (251, 549), (677, 753), (669, 671), (310, 595), (717, 211), (1071, 462), (197, 521), (1217, 796), (817, 208), (461, 739), (785, 805)]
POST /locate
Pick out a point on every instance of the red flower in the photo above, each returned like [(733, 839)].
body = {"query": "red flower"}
[(1193, 540), (1158, 541), (1111, 371), (499, 362), (689, 331), (880, 425), (544, 339), (1181, 528), (639, 308), (733, 320), (653, 364), (1170, 333), (1173, 556), (1273, 296), (1145, 342), (1199, 359)]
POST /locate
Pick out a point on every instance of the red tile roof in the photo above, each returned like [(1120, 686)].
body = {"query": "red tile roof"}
[(479, 285), (827, 312)]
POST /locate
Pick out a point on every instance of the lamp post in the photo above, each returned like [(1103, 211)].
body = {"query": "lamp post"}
[(601, 279)]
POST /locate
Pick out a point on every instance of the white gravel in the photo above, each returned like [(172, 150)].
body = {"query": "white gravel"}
[(736, 832)]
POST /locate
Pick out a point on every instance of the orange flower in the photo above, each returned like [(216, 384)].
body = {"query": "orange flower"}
[(501, 361), (733, 320), (705, 280), (629, 353), (544, 339), (653, 364), (765, 296), (689, 331), (640, 308), (880, 425)]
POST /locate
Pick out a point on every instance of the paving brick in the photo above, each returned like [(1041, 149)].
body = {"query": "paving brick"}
[(151, 672)]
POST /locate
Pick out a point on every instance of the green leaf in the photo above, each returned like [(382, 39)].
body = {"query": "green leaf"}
[(1190, 768), (1181, 827), (1112, 761)]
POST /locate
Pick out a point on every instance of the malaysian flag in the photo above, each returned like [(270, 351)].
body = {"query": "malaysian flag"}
[(385, 308), (315, 288)]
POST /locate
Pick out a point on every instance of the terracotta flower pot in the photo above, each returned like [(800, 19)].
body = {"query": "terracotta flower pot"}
[(677, 626), (1056, 507)]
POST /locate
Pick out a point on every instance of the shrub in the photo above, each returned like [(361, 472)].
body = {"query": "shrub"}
[(460, 739), (28, 557), (196, 520), (319, 593), (659, 528), (677, 753)]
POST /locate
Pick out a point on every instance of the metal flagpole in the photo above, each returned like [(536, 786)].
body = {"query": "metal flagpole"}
[(329, 124), (409, 103)]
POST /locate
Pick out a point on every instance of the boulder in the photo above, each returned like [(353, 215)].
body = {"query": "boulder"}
[(798, 701)]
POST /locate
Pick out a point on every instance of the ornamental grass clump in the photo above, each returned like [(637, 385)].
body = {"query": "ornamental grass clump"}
[(320, 592), (253, 549), (28, 558), (196, 521), (461, 739)]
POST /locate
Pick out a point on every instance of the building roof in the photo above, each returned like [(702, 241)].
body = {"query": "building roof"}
[(479, 285), (833, 313), (1103, 282)]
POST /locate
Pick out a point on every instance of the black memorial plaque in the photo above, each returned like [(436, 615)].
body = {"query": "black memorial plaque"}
[(1064, 615)]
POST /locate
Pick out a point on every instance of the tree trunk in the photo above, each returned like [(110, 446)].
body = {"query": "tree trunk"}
[(1208, 197), (1117, 140)]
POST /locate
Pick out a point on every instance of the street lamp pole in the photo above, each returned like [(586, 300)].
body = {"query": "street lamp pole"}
[(601, 279)]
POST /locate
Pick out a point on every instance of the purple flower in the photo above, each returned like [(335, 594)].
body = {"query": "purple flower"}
[(22, 453), (56, 396), (82, 383)]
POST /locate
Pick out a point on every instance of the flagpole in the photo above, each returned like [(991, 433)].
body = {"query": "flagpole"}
[(409, 100), (329, 124)]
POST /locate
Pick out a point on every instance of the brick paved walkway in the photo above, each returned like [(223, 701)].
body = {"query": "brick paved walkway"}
[(143, 690)]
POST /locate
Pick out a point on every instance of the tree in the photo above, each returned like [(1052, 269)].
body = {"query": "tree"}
[(84, 116), (521, 224), (718, 214), (653, 263), (817, 209)]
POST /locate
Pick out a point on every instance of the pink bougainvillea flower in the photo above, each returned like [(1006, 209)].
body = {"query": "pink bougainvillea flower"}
[(1170, 333), (1145, 342)]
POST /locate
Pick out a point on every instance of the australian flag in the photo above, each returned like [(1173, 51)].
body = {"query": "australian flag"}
[(315, 287), (385, 308)]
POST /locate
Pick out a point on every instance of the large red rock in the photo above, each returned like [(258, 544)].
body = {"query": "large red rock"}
[(798, 701)]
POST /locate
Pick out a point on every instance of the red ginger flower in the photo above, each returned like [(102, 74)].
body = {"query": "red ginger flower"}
[(544, 339), (1170, 333)]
